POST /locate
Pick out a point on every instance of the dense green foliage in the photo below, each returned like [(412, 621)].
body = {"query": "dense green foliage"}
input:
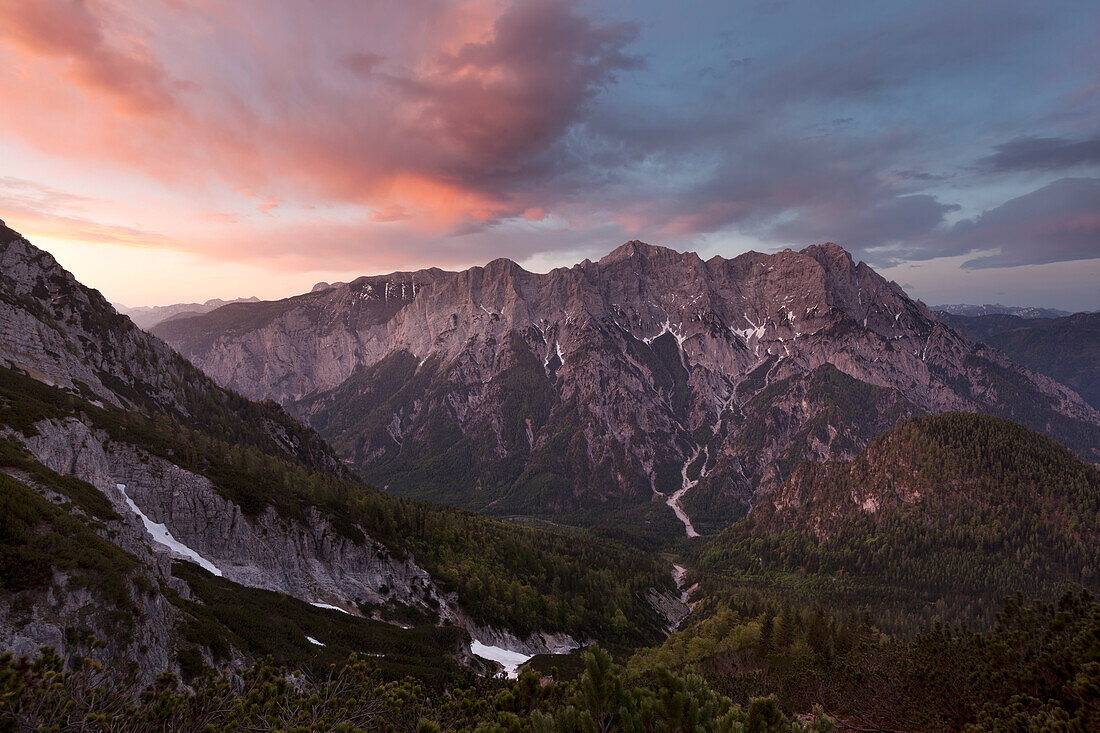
[(968, 509), (38, 538), (355, 696), (260, 623), (1038, 668), (505, 575), (1030, 407), (846, 414)]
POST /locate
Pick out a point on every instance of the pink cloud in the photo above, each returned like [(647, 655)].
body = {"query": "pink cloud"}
[(430, 123), (75, 33)]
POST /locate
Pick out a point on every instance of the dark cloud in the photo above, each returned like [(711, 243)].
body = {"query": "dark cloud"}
[(868, 225), (1042, 154), (808, 123), (870, 60), (362, 63), (793, 191), (498, 103), (1059, 222)]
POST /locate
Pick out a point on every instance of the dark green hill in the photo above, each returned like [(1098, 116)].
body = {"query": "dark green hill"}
[(939, 518)]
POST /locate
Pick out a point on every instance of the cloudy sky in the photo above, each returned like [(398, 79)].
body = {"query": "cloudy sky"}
[(178, 150)]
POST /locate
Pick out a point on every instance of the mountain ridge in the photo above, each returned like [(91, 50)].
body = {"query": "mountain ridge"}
[(147, 316), (629, 366), (1066, 349), (973, 311)]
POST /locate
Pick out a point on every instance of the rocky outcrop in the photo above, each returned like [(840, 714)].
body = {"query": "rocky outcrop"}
[(305, 558), (62, 333), (76, 623), (593, 387)]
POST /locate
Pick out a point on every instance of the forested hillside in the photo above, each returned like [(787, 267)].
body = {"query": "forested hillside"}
[(938, 519), (505, 575), (120, 458)]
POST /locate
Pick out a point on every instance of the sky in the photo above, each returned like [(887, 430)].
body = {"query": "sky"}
[(178, 150)]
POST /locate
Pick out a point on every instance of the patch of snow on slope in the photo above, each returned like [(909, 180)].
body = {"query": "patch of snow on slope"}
[(162, 536), (508, 659), (327, 607), (311, 640)]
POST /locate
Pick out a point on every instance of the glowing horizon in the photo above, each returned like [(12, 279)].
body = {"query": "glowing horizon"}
[(179, 150)]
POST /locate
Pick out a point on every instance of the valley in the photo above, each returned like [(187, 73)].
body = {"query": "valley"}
[(816, 485)]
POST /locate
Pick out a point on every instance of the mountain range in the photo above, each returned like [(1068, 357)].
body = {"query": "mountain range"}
[(145, 507), (973, 311), (153, 521), (600, 393), (147, 316)]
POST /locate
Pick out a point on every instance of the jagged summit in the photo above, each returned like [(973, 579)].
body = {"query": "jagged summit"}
[(638, 248), (830, 249)]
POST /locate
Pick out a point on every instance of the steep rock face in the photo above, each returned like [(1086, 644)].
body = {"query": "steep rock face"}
[(598, 386), (62, 333), (283, 350), (123, 620), (308, 560), (35, 619)]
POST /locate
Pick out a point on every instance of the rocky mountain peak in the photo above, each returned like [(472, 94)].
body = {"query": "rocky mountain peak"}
[(828, 253), (636, 249)]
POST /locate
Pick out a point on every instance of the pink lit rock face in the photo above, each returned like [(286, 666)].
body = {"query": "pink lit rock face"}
[(609, 386)]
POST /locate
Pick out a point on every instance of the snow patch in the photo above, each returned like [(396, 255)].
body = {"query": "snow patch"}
[(311, 640), (679, 574), (666, 327), (747, 333), (505, 657), (162, 536), (327, 607), (558, 351)]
